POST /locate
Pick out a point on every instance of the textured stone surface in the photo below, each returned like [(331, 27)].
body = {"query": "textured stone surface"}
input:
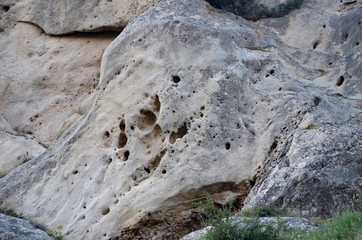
[(319, 173), (63, 17), (46, 83), (241, 222), (12, 228), (189, 101)]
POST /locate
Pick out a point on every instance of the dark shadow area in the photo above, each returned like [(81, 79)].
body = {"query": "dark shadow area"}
[(250, 10)]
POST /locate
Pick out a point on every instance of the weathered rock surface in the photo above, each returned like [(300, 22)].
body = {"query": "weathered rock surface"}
[(319, 172), (12, 228), (289, 222), (63, 17), (46, 83), (189, 101)]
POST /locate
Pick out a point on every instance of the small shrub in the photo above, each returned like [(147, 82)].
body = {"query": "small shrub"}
[(9, 212), (57, 233), (263, 211), (226, 227)]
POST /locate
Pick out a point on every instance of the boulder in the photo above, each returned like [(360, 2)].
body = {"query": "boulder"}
[(12, 228), (189, 101)]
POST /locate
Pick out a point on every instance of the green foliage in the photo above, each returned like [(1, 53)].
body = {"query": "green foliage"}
[(250, 10), (263, 211), (9, 212), (57, 233), (225, 227), (347, 226)]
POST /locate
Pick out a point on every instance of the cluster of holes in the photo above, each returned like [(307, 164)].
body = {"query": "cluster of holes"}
[(270, 72), (122, 140)]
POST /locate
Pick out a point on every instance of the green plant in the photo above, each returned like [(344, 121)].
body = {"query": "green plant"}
[(57, 233), (262, 211), (226, 227), (347, 226), (9, 212)]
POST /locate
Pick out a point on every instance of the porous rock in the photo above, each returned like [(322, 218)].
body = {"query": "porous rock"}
[(190, 100), (12, 228)]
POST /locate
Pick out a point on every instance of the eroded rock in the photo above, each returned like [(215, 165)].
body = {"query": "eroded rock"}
[(189, 101)]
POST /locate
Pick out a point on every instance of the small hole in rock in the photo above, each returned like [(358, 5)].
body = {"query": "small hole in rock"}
[(227, 146), (345, 36), (164, 171), (317, 101), (315, 44), (105, 211), (107, 134), (132, 128), (273, 146), (340, 81), (330, 63), (126, 155), (122, 140), (202, 108), (324, 26), (75, 172), (176, 79), (147, 170), (182, 131), (357, 43), (271, 71), (6, 8), (122, 125), (147, 119)]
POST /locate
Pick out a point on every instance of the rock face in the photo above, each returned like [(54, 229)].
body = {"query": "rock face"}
[(64, 17), (189, 100), (46, 83), (12, 228)]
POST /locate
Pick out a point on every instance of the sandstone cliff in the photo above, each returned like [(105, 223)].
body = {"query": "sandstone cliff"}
[(125, 112)]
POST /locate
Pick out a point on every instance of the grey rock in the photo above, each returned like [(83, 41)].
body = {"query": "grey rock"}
[(318, 174), (12, 228)]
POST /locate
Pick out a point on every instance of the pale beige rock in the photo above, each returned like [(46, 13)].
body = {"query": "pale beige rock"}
[(46, 83), (63, 17), (189, 101)]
